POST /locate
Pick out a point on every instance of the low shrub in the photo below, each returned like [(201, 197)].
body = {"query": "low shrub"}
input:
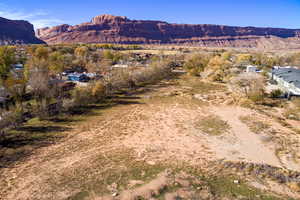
[(276, 93), (213, 125), (255, 126), (257, 97), (98, 91), (293, 111), (196, 63), (82, 96), (118, 80), (9, 120), (159, 70)]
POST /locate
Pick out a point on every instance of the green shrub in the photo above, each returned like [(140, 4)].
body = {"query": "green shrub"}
[(10, 119), (257, 96), (276, 93), (98, 91), (195, 64), (82, 96)]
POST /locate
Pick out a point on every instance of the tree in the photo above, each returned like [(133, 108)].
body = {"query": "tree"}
[(114, 57), (81, 53), (38, 76), (227, 55), (251, 85), (244, 59), (7, 58), (196, 63), (41, 53), (39, 83), (98, 91), (17, 89), (220, 68), (293, 59), (56, 63)]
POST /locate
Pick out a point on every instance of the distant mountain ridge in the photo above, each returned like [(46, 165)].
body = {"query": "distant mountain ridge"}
[(17, 32), (116, 29)]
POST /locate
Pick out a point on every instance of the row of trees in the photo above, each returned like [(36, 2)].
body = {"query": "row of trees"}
[(44, 64), (42, 74), (229, 67), (222, 65)]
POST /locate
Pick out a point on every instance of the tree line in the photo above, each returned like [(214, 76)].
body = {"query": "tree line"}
[(37, 91)]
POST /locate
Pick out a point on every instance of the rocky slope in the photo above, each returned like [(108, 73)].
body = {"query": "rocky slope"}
[(17, 32), (115, 29)]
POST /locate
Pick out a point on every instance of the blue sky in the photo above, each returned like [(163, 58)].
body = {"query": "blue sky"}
[(262, 13)]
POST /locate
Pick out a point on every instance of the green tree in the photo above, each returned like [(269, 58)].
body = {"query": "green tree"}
[(37, 74), (196, 63), (114, 57), (7, 58), (56, 63), (82, 52), (244, 59), (41, 53), (16, 88), (220, 67)]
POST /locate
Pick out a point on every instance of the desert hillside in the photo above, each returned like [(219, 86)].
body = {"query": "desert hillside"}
[(17, 32)]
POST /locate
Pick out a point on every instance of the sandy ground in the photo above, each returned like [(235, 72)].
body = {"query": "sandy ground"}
[(155, 131), (241, 143)]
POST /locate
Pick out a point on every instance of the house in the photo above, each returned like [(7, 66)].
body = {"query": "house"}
[(120, 66), (92, 75), (78, 77), (18, 71), (18, 67), (288, 79), (252, 69)]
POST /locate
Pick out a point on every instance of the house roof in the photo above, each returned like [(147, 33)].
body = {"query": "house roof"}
[(290, 75), (76, 75)]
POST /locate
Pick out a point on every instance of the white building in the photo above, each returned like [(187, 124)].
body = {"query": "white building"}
[(251, 69), (288, 79)]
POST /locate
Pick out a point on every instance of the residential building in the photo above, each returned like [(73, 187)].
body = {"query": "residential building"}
[(251, 68), (78, 77), (288, 79)]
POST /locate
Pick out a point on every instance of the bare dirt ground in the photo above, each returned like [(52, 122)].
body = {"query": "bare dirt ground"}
[(126, 152)]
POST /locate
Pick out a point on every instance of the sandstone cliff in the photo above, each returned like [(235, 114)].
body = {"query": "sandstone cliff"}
[(17, 32), (115, 29)]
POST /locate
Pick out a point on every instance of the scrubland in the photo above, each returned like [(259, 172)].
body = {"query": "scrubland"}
[(184, 127)]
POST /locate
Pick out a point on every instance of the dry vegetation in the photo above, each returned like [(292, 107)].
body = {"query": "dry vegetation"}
[(255, 126), (151, 132), (212, 125)]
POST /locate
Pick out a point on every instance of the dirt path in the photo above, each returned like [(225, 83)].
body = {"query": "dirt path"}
[(241, 144)]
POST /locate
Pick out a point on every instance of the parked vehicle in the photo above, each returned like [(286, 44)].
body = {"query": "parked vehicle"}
[(78, 77)]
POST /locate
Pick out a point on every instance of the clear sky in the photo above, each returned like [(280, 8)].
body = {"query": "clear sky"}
[(262, 13)]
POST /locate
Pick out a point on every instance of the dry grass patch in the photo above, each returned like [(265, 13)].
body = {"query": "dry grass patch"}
[(106, 173), (254, 125), (212, 125), (197, 85), (297, 131)]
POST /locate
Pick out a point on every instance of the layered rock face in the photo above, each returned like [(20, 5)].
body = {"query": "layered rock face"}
[(115, 29), (17, 32)]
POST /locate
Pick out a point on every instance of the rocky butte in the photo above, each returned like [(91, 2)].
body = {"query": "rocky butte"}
[(116, 29), (17, 32)]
